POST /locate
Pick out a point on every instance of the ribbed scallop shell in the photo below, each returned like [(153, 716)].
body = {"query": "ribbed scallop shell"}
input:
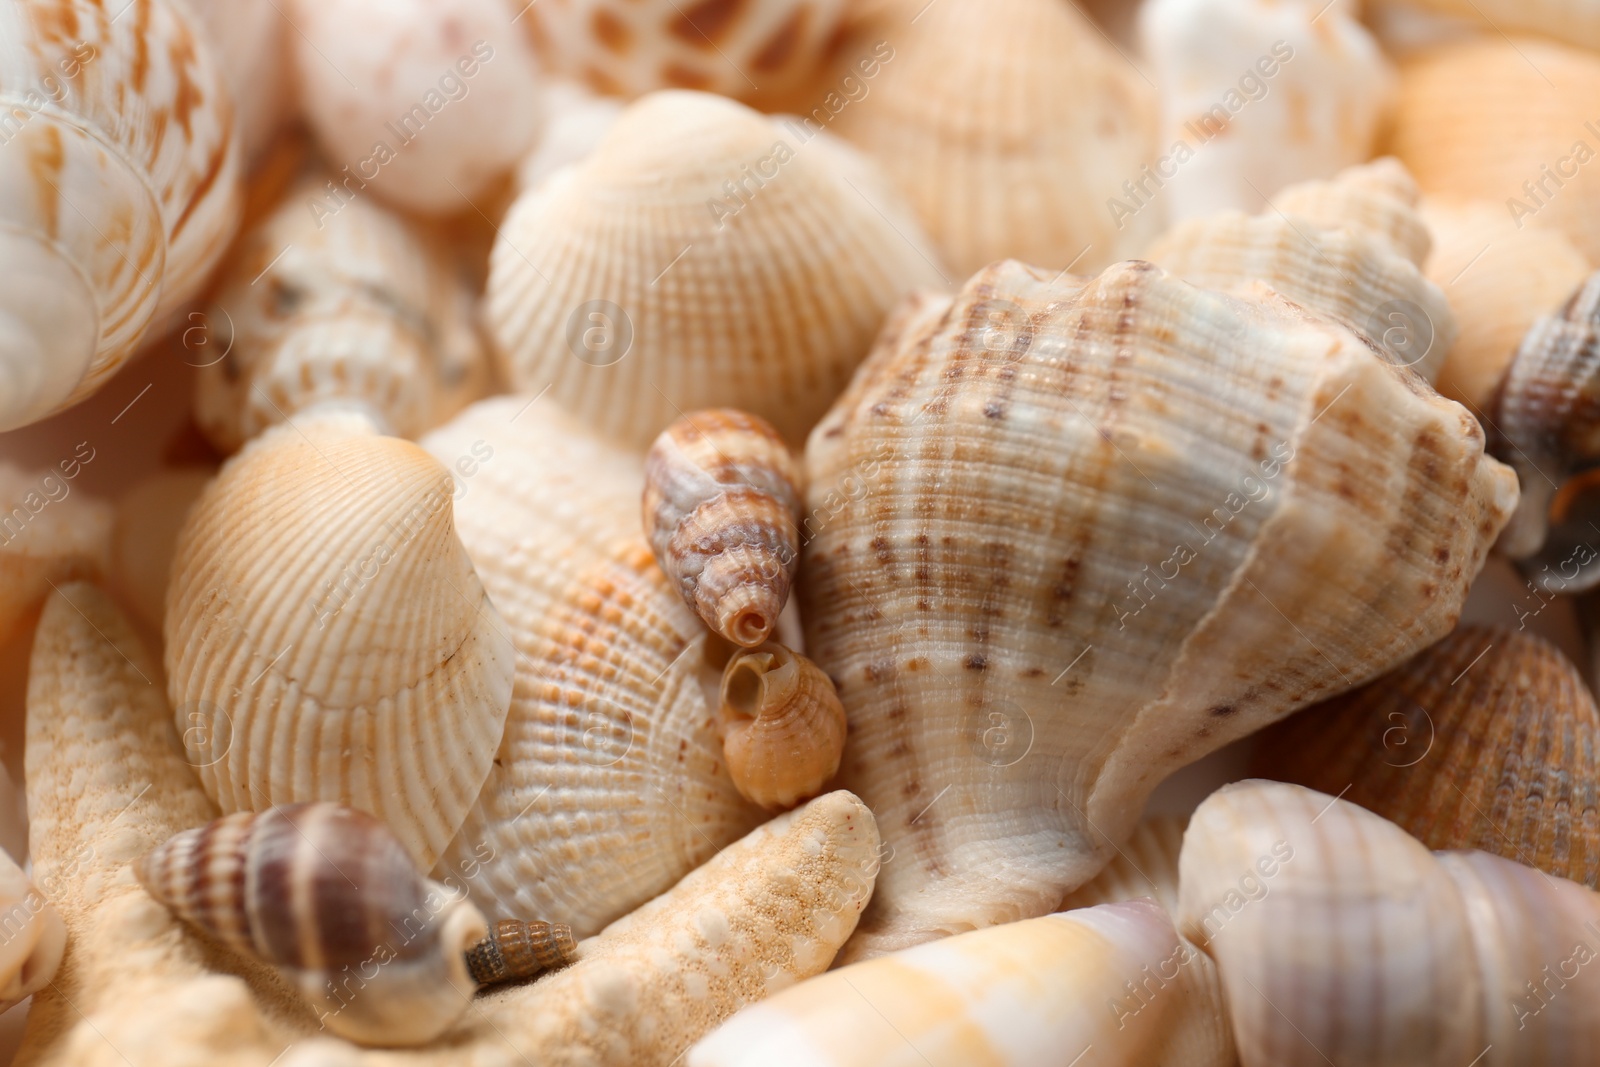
[(35, 936), (1071, 534), (721, 511), (1351, 248), (330, 302), (643, 283), (118, 189), (1487, 740), (328, 639), (610, 784), (327, 894), (1006, 123), (783, 728), (50, 531)]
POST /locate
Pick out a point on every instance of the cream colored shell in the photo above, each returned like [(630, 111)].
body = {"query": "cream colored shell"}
[(250, 42), (50, 531), (577, 123), (35, 936)]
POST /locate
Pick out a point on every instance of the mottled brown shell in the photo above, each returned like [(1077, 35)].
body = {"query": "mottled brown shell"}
[(516, 949), (783, 726), (722, 511), (1487, 740)]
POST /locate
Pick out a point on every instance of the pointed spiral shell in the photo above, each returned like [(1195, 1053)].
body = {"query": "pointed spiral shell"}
[(783, 727), (330, 897), (516, 949), (722, 512)]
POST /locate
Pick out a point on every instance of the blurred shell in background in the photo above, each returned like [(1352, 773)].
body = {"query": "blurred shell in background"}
[(576, 124), (1574, 21), (35, 937), (250, 41), (50, 532)]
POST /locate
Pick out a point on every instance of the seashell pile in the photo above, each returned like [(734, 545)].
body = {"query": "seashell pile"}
[(722, 533)]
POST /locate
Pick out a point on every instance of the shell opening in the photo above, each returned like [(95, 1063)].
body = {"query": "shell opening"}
[(49, 328), (744, 686)]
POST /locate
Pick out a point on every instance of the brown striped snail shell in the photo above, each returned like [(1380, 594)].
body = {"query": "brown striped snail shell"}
[(329, 896), (721, 510), (783, 726), (516, 949)]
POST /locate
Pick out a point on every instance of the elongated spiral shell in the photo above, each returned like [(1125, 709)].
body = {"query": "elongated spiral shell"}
[(517, 949), (722, 512), (356, 660), (118, 189), (325, 892), (783, 727)]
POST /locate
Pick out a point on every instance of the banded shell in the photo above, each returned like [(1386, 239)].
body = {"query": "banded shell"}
[(1487, 740), (324, 893), (1351, 248), (35, 937), (648, 281), (101, 140), (1007, 124), (783, 727), (49, 534), (516, 949), (1341, 939), (336, 301), (722, 511), (357, 660), (1079, 532)]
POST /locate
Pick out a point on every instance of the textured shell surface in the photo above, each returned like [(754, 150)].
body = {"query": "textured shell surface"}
[(325, 893), (1056, 528), (516, 949), (1342, 939), (610, 783), (348, 306), (1487, 740), (356, 660), (115, 126), (49, 533), (1007, 124), (703, 256), (35, 937), (783, 728)]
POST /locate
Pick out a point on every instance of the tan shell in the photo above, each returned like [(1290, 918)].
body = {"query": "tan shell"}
[(35, 936), (783, 728), (1089, 545), (1575, 21), (102, 139), (356, 660), (722, 510), (647, 281), (144, 536), (1008, 124), (1351, 248), (50, 532), (515, 949)]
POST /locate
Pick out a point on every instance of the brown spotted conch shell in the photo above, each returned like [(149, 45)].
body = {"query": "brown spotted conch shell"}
[(783, 728)]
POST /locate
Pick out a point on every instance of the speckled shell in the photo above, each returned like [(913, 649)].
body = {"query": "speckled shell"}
[(114, 126), (328, 639), (516, 949), (35, 936), (643, 283), (1487, 740), (721, 511), (1006, 123), (1063, 548), (1341, 939), (783, 728), (326, 893), (50, 532), (610, 783), (335, 302), (1351, 248)]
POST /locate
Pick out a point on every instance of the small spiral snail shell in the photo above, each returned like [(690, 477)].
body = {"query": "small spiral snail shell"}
[(516, 949), (783, 726), (722, 510), (327, 894)]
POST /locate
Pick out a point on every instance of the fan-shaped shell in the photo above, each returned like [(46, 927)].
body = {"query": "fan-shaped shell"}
[(328, 639), (783, 729), (118, 189), (50, 532), (1070, 534), (651, 280)]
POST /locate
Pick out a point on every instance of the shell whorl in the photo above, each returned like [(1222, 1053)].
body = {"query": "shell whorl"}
[(783, 726), (722, 511), (516, 949)]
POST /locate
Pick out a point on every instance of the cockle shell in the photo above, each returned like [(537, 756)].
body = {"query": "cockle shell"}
[(1007, 124), (336, 305), (1256, 95), (1487, 740), (144, 536), (112, 126), (516, 949), (609, 784), (783, 728), (722, 499), (1041, 461), (49, 534), (1351, 248), (420, 103), (648, 281), (324, 892), (356, 660), (1341, 939), (35, 936)]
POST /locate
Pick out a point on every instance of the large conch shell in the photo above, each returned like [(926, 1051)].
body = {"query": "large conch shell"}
[(752, 272), (328, 639), (610, 782), (35, 936), (1008, 124), (1069, 535), (48, 535), (1256, 95), (1352, 248), (1341, 939), (119, 188), (336, 305)]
